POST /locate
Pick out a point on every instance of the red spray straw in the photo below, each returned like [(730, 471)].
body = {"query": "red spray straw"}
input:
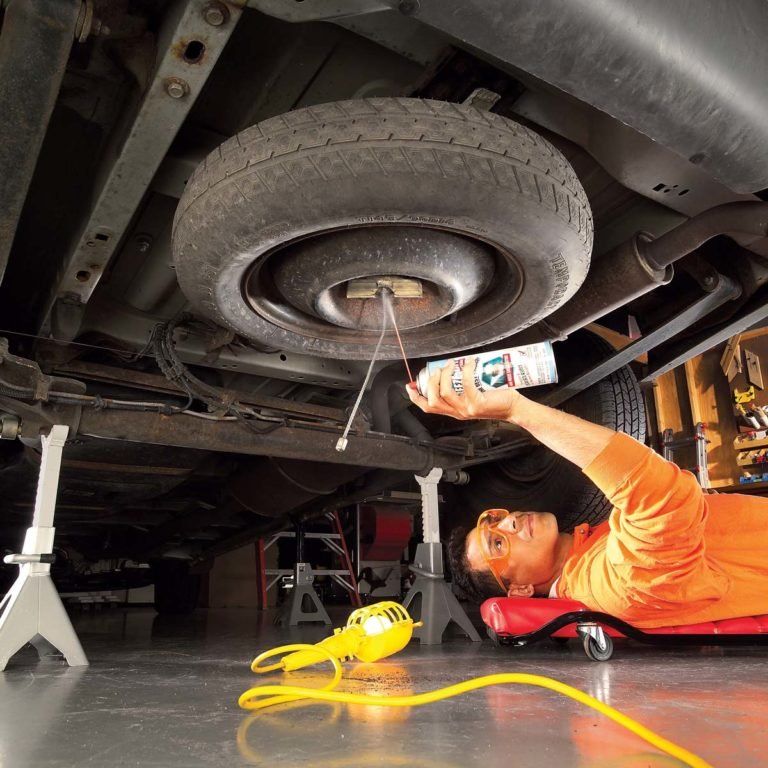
[(399, 340)]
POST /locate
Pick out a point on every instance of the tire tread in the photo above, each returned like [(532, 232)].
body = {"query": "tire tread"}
[(623, 410), (401, 127)]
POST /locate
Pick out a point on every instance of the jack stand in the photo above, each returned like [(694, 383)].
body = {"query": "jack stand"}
[(296, 612), (304, 605), (439, 606), (32, 611)]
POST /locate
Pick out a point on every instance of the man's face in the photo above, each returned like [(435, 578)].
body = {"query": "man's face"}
[(532, 556)]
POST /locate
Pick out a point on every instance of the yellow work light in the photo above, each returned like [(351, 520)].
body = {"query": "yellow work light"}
[(371, 633), (378, 631)]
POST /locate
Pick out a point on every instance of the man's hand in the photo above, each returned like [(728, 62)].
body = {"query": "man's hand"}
[(498, 404), (577, 440)]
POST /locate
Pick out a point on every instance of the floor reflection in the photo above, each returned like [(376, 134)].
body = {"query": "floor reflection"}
[(668, 710), (45, 687)]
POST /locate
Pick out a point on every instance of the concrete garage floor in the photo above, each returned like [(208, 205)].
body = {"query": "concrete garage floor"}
[(162, 692)]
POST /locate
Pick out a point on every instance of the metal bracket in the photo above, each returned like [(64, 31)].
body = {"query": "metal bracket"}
[(369, 287), (190, 44), (723, 290), (483, 99), (320, 10)]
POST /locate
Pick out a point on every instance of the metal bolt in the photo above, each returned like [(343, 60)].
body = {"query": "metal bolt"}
[(216, 14), (143, 243), (709, 281), (87, 24), (409, 7), (10, 427), (100, 29), (176, 88)]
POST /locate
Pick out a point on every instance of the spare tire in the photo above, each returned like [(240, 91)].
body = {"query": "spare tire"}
[(488, 216), (540, 479)]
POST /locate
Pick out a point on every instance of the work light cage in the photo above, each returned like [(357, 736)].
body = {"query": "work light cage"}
[(387, 609)]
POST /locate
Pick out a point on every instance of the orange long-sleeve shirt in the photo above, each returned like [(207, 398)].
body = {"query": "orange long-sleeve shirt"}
[(669, 554)]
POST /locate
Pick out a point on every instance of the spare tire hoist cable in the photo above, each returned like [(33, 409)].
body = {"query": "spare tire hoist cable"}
[(386, 309)]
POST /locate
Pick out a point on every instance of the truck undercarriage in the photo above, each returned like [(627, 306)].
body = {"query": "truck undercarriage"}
[(202, 180)]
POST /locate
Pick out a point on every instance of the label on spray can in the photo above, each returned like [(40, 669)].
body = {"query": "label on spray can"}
[(517, 367)]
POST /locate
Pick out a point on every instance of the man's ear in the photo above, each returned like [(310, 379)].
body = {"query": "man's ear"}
[(520, 590)]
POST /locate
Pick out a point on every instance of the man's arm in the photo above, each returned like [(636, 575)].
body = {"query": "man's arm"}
[(573, 438), (662, 512)]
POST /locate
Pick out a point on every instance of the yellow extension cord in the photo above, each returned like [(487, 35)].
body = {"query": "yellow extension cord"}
[(264, 696)]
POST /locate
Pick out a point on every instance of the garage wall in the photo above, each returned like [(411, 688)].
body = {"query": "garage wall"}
[(700, 391), (233, 580)]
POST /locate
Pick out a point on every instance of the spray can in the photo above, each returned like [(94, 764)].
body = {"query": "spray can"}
[(518, 367)]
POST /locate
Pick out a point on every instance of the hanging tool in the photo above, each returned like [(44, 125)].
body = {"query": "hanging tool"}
[(750, 420), (730, 361), (741, 398), (754, 374)]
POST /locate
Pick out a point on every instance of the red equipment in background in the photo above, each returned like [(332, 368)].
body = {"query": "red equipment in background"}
[(385, 531)]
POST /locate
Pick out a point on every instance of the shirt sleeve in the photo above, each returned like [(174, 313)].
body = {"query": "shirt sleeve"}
[(655, 547)]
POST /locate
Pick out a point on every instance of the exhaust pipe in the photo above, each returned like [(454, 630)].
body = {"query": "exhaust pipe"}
[(643, 264), (619, 277), (732, 219)]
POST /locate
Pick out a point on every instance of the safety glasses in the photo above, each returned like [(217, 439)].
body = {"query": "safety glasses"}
[(494, 542)]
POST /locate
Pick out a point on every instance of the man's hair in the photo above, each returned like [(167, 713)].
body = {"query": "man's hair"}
[(476, 585)]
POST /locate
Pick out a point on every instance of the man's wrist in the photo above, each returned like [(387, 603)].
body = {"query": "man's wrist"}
[(517, 405)]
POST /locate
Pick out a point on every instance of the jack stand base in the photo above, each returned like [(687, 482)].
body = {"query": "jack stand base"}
[(439, 606), (304, 605), (35, 614)]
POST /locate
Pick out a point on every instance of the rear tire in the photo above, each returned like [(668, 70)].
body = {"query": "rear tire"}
[(176, 589)]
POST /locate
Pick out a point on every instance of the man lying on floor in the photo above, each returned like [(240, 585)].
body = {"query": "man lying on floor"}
[(668, 554)]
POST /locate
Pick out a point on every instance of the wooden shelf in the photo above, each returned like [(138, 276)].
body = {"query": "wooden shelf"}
[(749, 445), (743, 459)]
